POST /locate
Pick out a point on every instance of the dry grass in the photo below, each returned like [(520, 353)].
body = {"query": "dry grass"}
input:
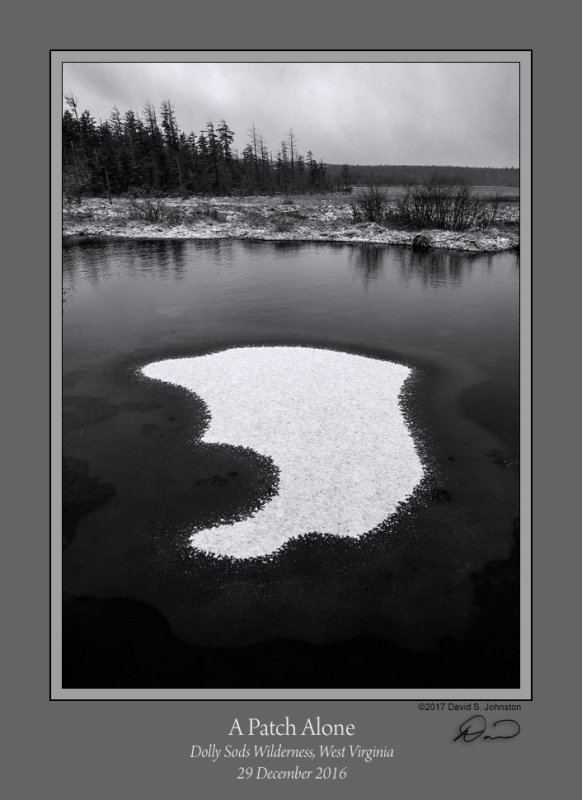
[(160, 211)]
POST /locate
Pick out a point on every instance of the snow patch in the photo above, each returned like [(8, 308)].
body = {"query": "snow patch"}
[(330, 421)]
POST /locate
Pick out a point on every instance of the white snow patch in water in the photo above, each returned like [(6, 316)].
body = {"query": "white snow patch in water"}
[(330, 421)]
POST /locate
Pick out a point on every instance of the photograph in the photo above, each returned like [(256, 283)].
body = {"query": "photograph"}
[(293, 374)]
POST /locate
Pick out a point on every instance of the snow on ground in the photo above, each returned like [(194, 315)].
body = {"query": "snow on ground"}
[(330, 421), (306, 218)]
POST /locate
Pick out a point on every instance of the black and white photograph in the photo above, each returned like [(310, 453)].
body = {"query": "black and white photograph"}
[(293, 354)]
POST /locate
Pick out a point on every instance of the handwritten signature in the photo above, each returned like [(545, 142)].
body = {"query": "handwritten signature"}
[(475, 728)]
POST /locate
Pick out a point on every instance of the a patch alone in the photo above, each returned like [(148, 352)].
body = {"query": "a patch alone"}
[(330, 421)]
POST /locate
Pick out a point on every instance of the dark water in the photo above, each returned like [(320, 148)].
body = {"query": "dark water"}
[(136, 477)]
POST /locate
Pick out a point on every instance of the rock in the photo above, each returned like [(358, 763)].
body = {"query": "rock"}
[(421, 242)]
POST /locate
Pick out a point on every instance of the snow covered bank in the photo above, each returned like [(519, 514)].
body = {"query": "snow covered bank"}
[(309, 218), (330, 421)]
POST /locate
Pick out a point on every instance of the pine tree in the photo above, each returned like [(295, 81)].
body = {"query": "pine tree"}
[(214, 153), (129, 153)]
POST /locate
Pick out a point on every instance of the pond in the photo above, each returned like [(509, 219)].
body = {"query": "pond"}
[(428, 598)]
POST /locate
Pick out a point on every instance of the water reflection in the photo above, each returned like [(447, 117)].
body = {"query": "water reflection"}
[(199, 289), (436, 268), (287, 247), (96, 262), (85, 260), (170, 258), (368, 260), (218, 251)]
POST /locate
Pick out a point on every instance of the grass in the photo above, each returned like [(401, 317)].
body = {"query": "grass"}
[(253, 217), (282, 223), (285, 221), (324, 215)]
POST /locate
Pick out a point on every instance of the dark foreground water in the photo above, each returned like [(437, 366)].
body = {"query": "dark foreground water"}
[(430, 600)]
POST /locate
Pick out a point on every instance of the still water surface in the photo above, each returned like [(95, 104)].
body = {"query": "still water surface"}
[(125, 295), (452, 317)]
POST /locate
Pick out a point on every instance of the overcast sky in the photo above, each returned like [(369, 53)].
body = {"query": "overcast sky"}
[(455, 114)]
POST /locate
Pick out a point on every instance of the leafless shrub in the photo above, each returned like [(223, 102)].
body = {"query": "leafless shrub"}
[(493, 207), (147, 210), (370, 205), (448, 207), (154, 210)]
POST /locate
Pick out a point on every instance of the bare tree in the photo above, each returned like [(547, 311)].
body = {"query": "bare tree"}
[(71, 101)]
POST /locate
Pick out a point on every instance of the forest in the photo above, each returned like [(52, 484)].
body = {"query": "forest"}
[(147, 154), (414, 174)]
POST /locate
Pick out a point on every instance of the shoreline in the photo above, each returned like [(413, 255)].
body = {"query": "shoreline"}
[(304, 218)]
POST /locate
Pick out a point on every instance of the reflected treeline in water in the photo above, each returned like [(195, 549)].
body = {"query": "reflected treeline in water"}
[(368, 260), (85, 260), (169, 259), (290, 247), (287, 247), (280, 247), (490, 259), (96, 261), (219, 251), (436, 267)]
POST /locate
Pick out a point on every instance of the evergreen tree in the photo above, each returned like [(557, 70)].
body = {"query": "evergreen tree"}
[(127, 153)]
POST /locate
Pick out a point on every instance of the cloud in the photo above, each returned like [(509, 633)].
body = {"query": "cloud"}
[(461, 114)]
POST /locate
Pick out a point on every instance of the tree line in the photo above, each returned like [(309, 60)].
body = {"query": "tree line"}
[(148, 154), (413, 174)]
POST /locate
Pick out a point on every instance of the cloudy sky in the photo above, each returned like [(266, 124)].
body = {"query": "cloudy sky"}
[(457, 114)]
